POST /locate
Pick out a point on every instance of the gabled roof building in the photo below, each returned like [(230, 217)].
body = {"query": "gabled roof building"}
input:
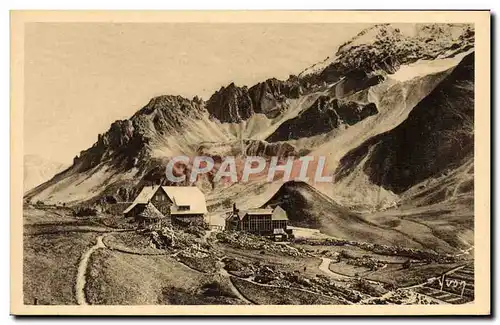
[(265, 221), (178, 204)]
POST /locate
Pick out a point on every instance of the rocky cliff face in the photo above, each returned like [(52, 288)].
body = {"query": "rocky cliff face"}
[(233, 104), (437, 136), (127, 142), (269, 96), (169, 112), (326, 114), (266, 149), (382, 49)]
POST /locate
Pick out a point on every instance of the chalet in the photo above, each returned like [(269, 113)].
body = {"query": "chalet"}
[(266, 222), (181, 205)]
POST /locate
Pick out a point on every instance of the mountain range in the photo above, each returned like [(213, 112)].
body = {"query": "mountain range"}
[(392, 112)]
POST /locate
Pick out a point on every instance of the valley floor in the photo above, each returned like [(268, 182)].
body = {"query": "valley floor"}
[(70, 261)]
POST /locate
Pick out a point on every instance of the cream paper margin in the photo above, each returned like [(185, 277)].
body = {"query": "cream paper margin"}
[(481, 20)]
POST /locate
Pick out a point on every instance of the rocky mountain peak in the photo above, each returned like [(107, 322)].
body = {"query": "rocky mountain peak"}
[(127, 141), (233, 104), (384, 48), (377, 34), (170, 105), (230, 104)]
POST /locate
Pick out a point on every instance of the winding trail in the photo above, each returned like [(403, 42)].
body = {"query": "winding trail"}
[(325, 268), (82, 269), (234, 290), (298, 289)]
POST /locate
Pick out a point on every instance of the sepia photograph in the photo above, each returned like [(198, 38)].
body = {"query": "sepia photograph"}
[(250, 163)]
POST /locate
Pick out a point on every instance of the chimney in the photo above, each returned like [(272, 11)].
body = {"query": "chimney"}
[(234, 208)]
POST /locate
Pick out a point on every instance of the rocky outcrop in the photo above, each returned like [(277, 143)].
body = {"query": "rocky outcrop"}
[(269, 96), (265, 149), (126, 143), (355, 81), (233, 104), (122, 140), (230, 104), (326, 114), (169, 113)]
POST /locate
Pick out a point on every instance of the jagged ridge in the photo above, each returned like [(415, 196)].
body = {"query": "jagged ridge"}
[(234, 104), (325, 115)]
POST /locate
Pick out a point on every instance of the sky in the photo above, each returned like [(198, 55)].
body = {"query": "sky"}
[(80, 77)]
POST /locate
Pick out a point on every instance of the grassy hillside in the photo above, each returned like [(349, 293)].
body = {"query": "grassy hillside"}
[(50, 266), (307, 207), (116, 278)]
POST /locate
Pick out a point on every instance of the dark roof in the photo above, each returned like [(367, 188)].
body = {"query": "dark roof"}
[(259, 212), (277, 214)]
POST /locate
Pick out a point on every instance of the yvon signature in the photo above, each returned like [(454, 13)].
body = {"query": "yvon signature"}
[(450, 283)]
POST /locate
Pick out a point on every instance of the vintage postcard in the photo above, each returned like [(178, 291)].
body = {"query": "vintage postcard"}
[(250, 163)]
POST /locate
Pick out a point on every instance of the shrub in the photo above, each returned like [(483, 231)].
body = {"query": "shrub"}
[(407, 264), (197, 230), (389, 286), (85, 212), (367, 288), (226, 203), (214, 289), (179, 296), (345, 254)]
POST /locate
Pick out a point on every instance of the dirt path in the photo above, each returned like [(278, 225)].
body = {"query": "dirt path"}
[(82, 269), (298, 289), (234, 290), (325, 268)]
